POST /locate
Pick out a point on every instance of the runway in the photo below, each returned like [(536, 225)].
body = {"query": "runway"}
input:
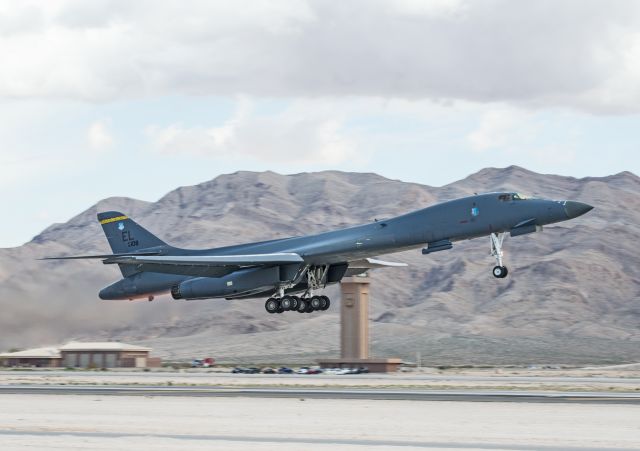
[(398, 378), (107, 418), (324, 393), (243, 440), (191, 410)]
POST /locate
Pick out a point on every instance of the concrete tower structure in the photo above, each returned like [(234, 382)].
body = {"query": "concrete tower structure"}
[(354, 318), (354, 330)]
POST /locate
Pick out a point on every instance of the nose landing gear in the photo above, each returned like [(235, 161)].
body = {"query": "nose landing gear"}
[(500, 271)]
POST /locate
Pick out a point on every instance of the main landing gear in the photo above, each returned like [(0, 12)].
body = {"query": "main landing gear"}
[(307, 303), (298, 304), (500, 271)]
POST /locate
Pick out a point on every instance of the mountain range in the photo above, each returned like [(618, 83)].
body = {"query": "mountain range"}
[(572, 295)]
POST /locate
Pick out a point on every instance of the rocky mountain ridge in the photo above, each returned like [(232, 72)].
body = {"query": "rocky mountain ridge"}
[(572, 296)]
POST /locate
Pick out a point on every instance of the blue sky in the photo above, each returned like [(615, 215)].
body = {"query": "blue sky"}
[(107, 98)]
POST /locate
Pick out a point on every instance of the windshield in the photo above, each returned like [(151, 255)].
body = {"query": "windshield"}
[(508, 197)]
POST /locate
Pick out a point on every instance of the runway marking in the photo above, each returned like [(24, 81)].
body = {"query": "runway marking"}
[(310, 441), (369, 394)]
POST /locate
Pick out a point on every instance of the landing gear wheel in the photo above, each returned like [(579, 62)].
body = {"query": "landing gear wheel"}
[(272, 305), (316, 302), (295, 302), (302, 306), (500, 272), (326, 302), (309, 308), (286, 303)]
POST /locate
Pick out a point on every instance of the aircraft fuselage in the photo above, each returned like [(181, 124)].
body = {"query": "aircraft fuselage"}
[(436, 227)]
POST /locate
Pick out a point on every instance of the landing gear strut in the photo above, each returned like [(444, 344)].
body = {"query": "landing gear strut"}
[(500, 271)]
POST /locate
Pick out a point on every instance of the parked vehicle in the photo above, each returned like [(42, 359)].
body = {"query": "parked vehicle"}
[(202, 363), (268, 371), (303, 370), (285, 370)]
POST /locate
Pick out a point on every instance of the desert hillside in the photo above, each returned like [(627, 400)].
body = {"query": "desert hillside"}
[(572, 295)]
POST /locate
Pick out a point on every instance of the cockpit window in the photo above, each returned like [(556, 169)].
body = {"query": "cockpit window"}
[(505, 197), (518, 196)]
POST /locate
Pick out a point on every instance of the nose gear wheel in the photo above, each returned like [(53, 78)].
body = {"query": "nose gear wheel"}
[(500, 271)]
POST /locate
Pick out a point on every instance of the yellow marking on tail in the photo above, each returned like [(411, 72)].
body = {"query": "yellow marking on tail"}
[(117, 218)]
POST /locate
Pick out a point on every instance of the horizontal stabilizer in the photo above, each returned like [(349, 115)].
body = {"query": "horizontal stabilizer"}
[(101, 256), (525, 223), (524, 227)]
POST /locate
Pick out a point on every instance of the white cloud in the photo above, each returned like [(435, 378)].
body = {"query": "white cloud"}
[(499, 127), (432, 8), (305, 132), (99, 137), (570, 53), (517, 133)]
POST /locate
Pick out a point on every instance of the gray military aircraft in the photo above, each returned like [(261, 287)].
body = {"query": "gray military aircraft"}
[(280, 269)]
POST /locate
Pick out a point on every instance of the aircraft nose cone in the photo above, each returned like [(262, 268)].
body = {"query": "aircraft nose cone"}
[(574, 209)]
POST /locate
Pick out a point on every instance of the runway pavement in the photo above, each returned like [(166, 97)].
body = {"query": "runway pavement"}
[(325, 393), (98, 420), (395, 377)]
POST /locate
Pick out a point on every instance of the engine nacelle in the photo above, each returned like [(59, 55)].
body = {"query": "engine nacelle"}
[(243, 281)]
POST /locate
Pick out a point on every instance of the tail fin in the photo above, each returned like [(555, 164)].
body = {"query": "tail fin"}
[(125, 236)]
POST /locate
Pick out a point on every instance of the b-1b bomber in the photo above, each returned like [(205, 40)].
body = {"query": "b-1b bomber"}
[(291, 271)]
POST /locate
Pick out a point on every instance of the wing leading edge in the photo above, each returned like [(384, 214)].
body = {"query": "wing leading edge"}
[(209, 260), (191, 265)]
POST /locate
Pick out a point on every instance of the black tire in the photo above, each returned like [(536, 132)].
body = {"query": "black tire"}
[(326, 303), (316, 302), (309, 308), (499, 272), (295, 302), (506, 271), (302, 306), (285, 303), (272, 305)]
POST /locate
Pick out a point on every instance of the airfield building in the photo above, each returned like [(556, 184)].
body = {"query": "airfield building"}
[(38, 357), (109, 354), (75, 354)]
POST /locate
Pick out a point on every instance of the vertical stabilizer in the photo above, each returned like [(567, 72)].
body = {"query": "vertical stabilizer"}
[(125, 235)]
